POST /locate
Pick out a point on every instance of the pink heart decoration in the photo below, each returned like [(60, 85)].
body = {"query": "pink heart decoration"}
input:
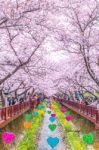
[(49, 107), (68, 118), (53, 115), (8, 137), (63, 109)]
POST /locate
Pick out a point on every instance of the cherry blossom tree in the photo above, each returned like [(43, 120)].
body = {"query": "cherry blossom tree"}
[(21, 41), (77, 30)]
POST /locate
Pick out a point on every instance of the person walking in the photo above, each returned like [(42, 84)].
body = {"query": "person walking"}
[(9, 101)]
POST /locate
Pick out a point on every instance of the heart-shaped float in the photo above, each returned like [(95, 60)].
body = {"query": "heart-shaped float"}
[(53, 141), (53, 106), (39, 107), (27, 125), (67, 113), (43, 106), (52, 127), (28, 117), (88, 138), (63, 109), (69, 118), (49, 112), (35, 114), (8, 137), (49, 107), (52, 119), (53, 115)]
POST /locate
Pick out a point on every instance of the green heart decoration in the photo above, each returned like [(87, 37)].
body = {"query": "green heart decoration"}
[(88, 138), (49, 112), (67, 113), (52, 127), (28, 117)]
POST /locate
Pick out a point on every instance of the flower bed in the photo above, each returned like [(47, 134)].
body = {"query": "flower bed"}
[(29, 141), (73, 138)]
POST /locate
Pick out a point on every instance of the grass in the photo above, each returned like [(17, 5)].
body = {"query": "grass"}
[(86, 127), (73, 138), (29, 141), (82, 123), (14, 127)]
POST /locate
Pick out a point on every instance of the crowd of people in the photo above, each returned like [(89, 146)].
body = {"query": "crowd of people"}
[(13, 101), (87, 101), (78, 97)]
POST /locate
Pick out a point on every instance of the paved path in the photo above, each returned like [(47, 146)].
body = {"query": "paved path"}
[(45, 133)]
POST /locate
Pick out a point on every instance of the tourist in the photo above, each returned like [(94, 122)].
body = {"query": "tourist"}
[(13, 101), (21, 100), (9, 101)]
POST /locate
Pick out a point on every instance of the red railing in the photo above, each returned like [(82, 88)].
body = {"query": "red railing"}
[(8, 112), (83, 109)]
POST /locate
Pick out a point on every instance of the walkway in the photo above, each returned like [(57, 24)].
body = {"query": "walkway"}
[(46, 132)]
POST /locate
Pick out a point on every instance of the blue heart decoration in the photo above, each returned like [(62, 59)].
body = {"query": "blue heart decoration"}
[(43, 106), (53, 141), (40, 106), (52, 119), (35, 114)]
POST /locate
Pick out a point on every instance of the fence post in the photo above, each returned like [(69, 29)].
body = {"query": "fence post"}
[(5, 113), (97, 115), (91, 112), (79, 105)]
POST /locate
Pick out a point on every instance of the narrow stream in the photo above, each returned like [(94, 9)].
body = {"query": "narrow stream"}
[(46, 133)]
